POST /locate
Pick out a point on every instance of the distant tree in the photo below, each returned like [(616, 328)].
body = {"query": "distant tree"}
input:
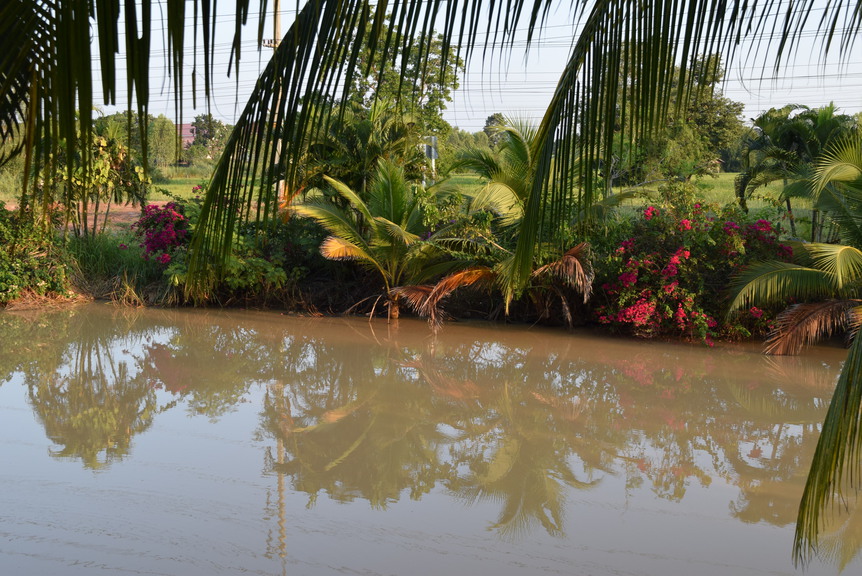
[(125, 129), (429, 85), (162, 140), (457, 142), (493, 123), (784, 146), (696, 140), (210, 135)]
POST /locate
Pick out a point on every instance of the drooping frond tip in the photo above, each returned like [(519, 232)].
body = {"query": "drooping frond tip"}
[(836, 469), (574, 269)]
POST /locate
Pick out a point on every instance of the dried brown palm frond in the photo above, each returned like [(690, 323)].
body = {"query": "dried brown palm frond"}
[(574, 268), (415, 297), (802, 325), (854, 323), (425, 300)]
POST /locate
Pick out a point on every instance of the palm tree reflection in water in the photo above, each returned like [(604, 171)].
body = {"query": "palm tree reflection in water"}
[(509, 417)]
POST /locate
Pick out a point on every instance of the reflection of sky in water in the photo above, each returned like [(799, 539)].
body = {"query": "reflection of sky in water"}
[(665, 440)]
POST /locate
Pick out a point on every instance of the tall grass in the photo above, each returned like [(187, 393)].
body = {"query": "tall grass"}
[(112, 266)]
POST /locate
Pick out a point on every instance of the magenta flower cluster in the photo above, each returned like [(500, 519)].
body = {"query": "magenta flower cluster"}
[(668, 278), (162, 230)]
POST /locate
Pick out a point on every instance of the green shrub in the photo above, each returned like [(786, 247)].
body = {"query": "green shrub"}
[(30, 261), (268, 260)]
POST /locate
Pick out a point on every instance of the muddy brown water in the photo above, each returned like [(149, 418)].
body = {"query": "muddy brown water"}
[(189, 442)]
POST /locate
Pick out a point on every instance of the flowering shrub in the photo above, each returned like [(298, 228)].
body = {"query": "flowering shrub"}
[(668, 277), (162, 229)]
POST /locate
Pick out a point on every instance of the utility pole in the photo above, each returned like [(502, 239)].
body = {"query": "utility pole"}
[(273, 43), (276, 26)]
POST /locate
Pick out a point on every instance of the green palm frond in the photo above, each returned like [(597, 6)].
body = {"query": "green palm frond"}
[(842, 162), (500, 199), (803, 325), (480, 161), (842, 263), (352, 197), (837, 182), (335, 248), (836, 470), (391, 194), (334, 219), (843, 203), (768, 283), (395, 231)]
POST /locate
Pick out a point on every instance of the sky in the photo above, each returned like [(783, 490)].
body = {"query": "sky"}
[(521, 87)]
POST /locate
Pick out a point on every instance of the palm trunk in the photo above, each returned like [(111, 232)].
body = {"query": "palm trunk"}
[(816, 226), (791, 218), (96, 216)]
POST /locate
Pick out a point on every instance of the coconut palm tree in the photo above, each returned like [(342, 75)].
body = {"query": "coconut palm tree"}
[(786, 144), (351, 146), (826, 281), (384, 233), (509, 173)]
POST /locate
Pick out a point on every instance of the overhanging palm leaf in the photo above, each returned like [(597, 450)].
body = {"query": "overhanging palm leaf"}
[(768, 283), (836, 470), (803, 325), (828, 285), (644, 40)]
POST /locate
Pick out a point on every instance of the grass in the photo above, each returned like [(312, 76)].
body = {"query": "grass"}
[(110, 265), (174, 188)]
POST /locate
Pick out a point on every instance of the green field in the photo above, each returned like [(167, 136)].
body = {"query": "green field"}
[(176, 187)]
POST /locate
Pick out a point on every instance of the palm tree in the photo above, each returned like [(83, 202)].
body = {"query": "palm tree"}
[(351, 146), (826, 281), (509, 173), (384, 233), (786, 144), (46, 72)]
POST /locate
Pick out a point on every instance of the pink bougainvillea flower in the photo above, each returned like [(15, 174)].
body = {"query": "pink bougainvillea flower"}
[(730, 227), (763, 225), (628, 279)]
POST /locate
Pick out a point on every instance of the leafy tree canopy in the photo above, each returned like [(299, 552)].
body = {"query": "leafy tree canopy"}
[(419, 81)]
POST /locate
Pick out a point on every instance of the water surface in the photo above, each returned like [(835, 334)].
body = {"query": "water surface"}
[(192, 442)]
